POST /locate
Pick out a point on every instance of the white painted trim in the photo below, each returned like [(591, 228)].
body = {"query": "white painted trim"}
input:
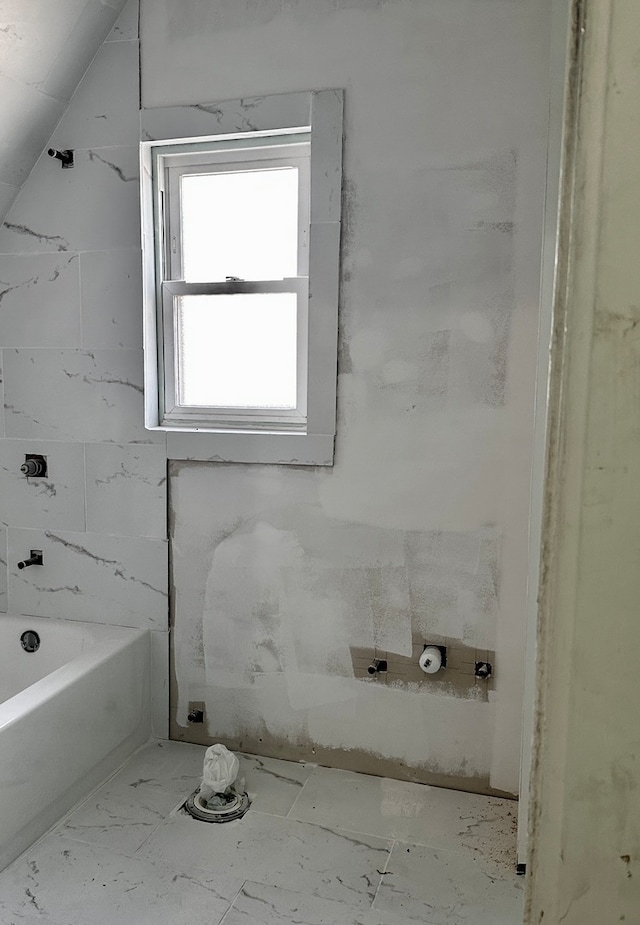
[(281, 449), (584, 782), (560, 19), (319, 112)]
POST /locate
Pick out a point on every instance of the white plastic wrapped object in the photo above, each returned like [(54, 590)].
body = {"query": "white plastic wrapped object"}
[(219, 770)]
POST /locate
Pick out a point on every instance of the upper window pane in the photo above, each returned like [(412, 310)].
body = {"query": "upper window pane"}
[(242, 224), (237, 350)]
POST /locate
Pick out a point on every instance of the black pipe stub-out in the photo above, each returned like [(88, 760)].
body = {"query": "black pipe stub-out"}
[(377, 665), (219, 807), (65, 157), (483, 670)]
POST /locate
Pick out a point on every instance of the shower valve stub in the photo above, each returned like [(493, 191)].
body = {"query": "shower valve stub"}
[(35, 558), (34, 466)]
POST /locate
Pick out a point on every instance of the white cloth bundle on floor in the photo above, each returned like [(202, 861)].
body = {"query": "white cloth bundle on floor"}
[(219, 770)]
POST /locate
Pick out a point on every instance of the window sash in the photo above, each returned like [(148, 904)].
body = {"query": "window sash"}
[(172, 412), (172, 167)]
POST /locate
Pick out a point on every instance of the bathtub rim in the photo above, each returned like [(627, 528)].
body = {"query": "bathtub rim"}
[(106, 639)]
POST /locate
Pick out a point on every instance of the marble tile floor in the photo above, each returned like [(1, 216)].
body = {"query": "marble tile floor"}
[(318, 847)]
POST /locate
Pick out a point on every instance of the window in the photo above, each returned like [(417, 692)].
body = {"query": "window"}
[(241, 251), (232, 233)]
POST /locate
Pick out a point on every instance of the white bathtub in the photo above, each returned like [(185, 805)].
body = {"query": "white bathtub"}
[(70, 713)]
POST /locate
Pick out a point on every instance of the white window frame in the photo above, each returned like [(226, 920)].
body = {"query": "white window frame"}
[(169, 164), (282, 130)]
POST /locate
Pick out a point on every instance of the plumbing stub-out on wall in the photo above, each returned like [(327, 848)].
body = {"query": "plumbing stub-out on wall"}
[(461, 669)]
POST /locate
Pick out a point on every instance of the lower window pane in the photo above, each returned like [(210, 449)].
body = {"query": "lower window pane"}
[(237, 351)]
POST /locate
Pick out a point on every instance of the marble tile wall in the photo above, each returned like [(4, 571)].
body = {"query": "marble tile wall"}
[(45, 48), (3, 568), (71, 340)]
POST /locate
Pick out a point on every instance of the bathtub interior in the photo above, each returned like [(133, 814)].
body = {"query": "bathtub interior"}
[(61, 642)]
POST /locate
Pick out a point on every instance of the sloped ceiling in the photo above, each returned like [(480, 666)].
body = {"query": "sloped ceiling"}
[(45, 48)]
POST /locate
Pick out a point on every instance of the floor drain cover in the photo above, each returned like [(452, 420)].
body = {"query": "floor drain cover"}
[(220, 808)]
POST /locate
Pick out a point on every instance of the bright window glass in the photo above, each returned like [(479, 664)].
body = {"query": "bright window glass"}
[(242, 224), (237, 351)]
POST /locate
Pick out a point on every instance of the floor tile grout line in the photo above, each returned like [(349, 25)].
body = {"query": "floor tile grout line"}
[(265, 812), (340, 829), (233, 901), (119, 852), (336, 830), (465, 851), (150, 835), (300, 793), (384, 871)]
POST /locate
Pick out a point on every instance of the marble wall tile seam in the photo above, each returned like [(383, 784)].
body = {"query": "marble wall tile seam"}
[(66, 255), (33, 89), (75, 252), (80, 303), (4, 571), (62, 537), (112, 443), (84, 148), (101, 250), (86, 350), (113, 41), (10, 440), (2, 415), (84, 486), (91, 534), (71, 252)]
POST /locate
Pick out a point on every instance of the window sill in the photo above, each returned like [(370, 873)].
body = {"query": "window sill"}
[(244, 447)]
